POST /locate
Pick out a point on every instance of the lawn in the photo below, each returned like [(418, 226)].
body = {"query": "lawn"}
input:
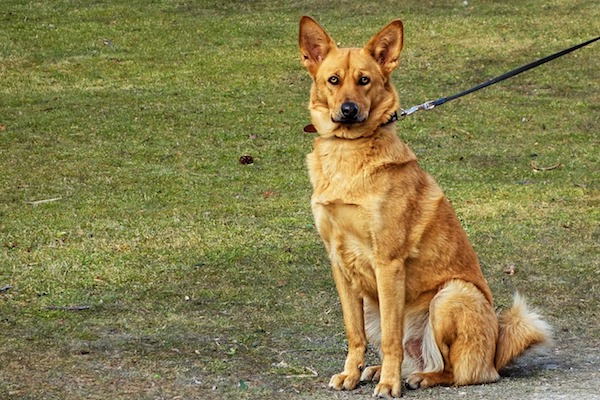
[(140, 259)]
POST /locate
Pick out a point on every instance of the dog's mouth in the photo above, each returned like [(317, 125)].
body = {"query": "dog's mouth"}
[(345, 121)]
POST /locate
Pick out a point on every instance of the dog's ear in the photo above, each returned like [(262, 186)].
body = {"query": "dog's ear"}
[(314, 44), (385, 47)]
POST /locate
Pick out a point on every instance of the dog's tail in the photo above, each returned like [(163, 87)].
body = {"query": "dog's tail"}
[(520, 329)]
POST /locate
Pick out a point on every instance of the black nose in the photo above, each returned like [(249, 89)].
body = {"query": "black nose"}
[(349, 110)]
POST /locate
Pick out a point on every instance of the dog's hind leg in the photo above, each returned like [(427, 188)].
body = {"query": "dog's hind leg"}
[(463, 329), (372, 373)]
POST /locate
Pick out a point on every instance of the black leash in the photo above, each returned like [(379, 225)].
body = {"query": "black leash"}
[(429, 105)]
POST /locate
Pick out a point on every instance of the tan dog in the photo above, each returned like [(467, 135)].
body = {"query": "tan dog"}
[(408, 279)]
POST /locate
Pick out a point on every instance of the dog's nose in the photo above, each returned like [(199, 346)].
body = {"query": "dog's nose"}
[(349, 110)]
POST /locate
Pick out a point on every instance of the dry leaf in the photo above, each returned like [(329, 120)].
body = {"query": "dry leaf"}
[(510, 270)]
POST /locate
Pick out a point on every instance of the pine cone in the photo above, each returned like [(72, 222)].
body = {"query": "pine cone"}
[(246, 159)]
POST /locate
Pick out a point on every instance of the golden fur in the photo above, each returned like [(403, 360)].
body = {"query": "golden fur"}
[(407, 277)]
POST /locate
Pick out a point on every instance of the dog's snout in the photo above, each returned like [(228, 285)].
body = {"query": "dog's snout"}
[(350, 110), (348, 113)]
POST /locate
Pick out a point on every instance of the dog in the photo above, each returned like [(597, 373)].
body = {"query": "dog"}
[(408, 279)]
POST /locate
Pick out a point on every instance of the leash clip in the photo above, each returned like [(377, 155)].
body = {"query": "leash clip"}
[(428, 105)]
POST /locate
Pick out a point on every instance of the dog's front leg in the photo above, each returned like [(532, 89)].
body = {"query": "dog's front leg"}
[(352, 310), (390, 287)]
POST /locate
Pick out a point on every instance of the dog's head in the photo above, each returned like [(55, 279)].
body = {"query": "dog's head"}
[(351, 95)]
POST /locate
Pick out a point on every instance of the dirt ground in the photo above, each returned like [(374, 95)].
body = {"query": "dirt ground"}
[(568, 370)]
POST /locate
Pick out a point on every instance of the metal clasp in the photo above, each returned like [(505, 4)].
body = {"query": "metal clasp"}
[(428, 105)]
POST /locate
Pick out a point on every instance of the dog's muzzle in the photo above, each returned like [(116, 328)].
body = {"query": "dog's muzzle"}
[(349, 113)]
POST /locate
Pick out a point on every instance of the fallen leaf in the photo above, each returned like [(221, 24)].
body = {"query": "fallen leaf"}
[(510, 270)]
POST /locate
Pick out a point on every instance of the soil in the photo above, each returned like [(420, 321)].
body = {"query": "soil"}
[(568, 370)]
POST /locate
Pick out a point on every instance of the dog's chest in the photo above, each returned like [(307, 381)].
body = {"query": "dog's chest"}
[(345, 216), (346, 231), (340, 200)]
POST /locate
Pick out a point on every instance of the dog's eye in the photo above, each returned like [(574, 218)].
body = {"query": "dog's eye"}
[(334, 80), (364, 81)]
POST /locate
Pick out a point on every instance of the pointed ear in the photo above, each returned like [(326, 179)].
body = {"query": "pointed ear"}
[(385, 47), (314, 44)]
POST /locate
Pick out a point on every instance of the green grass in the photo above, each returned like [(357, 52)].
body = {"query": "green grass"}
[(205, 277)]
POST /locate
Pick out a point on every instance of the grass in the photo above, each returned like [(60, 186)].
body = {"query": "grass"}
[(204, 277)]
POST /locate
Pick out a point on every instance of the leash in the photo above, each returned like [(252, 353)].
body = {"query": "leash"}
[(431, 104)]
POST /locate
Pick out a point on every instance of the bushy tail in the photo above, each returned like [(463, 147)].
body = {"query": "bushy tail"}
[(520, 329)]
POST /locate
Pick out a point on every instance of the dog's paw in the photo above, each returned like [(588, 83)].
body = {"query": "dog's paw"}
[(414, 381), (417, 380), (387, 390), (344, 381), (371, 373)]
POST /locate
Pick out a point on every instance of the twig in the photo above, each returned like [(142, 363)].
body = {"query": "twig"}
[(68, 308), (294, 351), (469, 135), (536, 167), (313, 374), (5, 288), (37, 202)]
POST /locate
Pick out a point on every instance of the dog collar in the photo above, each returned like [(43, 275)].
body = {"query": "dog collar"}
[(310, 128), (393, 118)]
